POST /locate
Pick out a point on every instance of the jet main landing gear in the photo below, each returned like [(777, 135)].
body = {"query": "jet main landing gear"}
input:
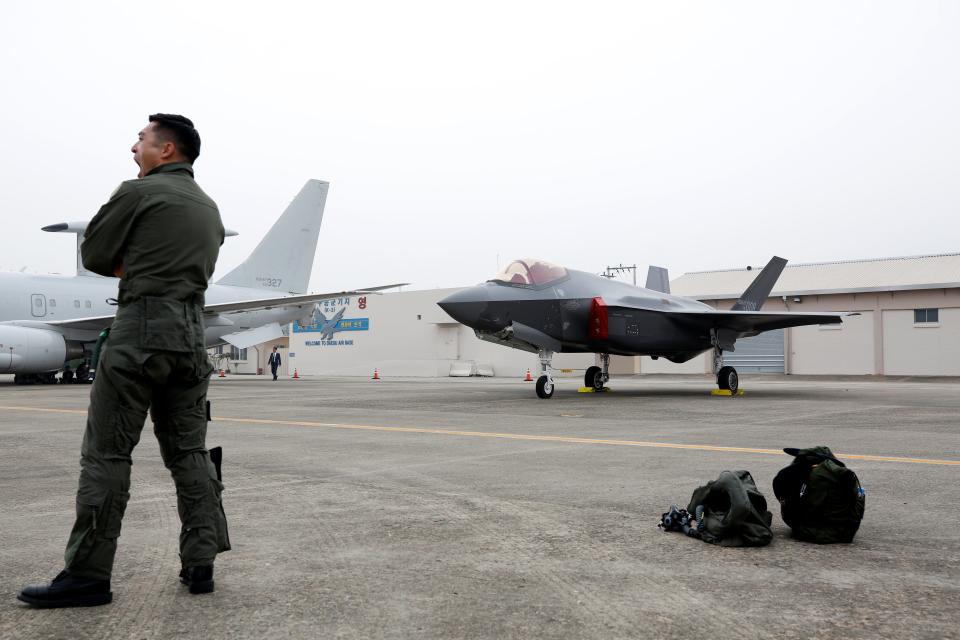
[(49, 377), (727, 378), (597, 377)]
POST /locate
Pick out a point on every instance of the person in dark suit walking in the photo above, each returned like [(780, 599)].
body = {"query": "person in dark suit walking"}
[(274, 362)]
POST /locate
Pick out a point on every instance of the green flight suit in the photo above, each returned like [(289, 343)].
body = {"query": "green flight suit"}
[(166, 233)]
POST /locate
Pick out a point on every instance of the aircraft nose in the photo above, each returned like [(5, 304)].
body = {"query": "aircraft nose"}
[(466, 306)]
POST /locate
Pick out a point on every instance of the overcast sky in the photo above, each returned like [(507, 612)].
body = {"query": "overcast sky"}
[(692, 135)]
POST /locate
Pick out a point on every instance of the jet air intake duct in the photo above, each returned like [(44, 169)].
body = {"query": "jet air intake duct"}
[(32, 350)]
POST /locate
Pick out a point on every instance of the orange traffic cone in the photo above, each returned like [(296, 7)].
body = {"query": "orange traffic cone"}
[(528, 377), (376, 375), (222, 374), (296, 376)]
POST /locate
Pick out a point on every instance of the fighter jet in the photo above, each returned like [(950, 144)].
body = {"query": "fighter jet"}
[(544, 308), (326, 327)]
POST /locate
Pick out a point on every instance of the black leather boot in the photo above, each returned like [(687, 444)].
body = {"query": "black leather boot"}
[(67, 590), (199, 579)]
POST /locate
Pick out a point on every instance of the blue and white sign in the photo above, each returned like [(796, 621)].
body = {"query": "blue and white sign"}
[(329, 325), (344, 324)]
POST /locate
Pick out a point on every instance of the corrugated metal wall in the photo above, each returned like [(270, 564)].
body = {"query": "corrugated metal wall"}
[(759, 354)]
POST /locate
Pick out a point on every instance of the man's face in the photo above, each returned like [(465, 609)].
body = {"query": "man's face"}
[(150, 152)]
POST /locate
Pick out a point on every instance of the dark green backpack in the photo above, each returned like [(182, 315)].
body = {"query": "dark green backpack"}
[(820, 498), (734, 513)]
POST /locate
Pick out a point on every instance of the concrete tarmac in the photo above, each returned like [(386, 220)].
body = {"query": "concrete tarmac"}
[(468, 508)]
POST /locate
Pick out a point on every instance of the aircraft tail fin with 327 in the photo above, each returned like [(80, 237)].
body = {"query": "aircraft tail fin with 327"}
[(283, 260)]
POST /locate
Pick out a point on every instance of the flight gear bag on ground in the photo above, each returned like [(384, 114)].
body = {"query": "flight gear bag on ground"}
[(821, 500), (677, 519), (731, 512)]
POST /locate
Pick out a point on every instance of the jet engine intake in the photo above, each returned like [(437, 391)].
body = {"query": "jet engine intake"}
[(33, 350), (520, 336)]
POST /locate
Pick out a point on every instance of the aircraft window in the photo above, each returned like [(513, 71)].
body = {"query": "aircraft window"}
[(38, 302), (87, 304), (76, 303), (53, 302), (530, 272)]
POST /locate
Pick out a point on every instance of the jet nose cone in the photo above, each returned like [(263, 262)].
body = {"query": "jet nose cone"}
[(470, 294), (465, 306)]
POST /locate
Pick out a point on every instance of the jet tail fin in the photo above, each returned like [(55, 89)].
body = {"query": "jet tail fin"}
[(284, 258), (658, 279), (78, 228), (72, 227), (755, 295)]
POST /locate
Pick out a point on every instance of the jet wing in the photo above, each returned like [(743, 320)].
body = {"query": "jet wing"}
[(91, 323), (86, 329), (257, 335), (289, 301), (751, 322)]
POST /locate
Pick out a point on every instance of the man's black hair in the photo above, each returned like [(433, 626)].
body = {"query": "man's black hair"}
[(180, 131)]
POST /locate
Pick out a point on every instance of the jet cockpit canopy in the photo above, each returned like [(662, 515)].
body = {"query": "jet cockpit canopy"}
[(530, 272)]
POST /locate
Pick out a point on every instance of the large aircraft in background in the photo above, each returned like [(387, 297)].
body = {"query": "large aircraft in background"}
[(545, 309), (48, 320)]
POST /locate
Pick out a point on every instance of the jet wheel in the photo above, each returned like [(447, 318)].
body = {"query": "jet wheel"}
[(728, 379), (544, 387), (593, 378)]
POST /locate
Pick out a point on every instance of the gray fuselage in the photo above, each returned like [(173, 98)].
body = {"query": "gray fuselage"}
[(639, 321)]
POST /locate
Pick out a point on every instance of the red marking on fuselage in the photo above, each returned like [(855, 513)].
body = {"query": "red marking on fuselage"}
[(598, 319)]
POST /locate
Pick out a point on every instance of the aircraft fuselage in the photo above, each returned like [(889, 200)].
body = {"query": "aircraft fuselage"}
[(638, 320), (49, 298)]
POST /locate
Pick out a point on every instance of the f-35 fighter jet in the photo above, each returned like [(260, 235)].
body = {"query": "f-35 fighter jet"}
[(545, 309)]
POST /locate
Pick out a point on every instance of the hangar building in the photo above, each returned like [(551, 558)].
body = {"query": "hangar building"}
[(908, 324)]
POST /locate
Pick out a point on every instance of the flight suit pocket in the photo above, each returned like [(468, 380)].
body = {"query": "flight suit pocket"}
[(189, 428), (127, 426), (112, 429), (165, 326), (95, 521), (112, 515), (82, 537), (204, 532)]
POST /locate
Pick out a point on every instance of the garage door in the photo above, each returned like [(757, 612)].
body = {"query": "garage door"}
[(759, 354)]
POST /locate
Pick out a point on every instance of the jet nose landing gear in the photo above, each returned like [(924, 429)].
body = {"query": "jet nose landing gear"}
[(596, 377), (545, 381), (544, 387)]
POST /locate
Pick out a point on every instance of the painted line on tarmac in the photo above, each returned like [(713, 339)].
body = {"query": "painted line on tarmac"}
[(521, 436), (573, 440)]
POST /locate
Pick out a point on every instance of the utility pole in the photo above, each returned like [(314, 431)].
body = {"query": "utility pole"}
[(612, 271)]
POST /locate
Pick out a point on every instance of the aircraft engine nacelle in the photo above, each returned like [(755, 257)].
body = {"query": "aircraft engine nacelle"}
[(33, 350)]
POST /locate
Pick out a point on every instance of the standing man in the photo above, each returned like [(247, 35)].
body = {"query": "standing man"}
[(160, 234), (274, 362)]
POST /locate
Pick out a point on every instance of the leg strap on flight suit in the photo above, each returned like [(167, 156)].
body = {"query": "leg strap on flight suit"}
[(216, 457)]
